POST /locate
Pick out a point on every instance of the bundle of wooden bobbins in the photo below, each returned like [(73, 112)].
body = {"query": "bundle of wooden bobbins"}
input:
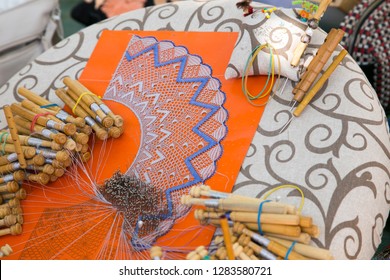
[(43, 140), (252, 228)]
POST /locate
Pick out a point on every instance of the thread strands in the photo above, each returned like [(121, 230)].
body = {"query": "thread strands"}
[(269, 84)]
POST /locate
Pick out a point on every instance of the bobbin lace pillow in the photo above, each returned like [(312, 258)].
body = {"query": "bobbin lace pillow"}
[(282, 31)]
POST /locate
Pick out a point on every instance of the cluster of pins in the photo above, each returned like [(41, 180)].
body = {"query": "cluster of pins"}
[(283, 232)]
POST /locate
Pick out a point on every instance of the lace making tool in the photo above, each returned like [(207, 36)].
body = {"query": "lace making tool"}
[(297, 112), (312, 25)]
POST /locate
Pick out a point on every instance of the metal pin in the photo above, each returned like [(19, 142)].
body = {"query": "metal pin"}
[(287, 123), (284, 85)]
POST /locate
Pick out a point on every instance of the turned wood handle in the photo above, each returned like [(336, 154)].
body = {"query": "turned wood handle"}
[(36, 98), (14, 135)]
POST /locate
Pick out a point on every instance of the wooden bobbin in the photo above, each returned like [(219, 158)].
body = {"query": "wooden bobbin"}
[(221, 253), (305, 250), (272, 246), (37, 160), (85, 156), (156, 253), (47, 168), (12, 203), (16, 176), (70, 144), (239, 252), (68, 129), (250, 253), (59, 172), (40, 178), (8, 158), (287, 230), (5, 251), (16, 210), (87, 129), (8, 168), (55, 163), (81, 138), (106, 121), (79, 90), (58, 155), (4, 211), (118, 120), (101, 133), (8, 221), (35, 98), (14, 135), (245, 240), (58, 137), (15, 229), (115, 132), (10, 187), (28, 152), (36, 142), (305, 221), (266, 218), (313, 231), (39, 100), (84, 149), (20, 194)]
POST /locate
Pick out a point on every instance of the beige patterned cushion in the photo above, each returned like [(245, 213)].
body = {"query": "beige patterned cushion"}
[(282, 31)]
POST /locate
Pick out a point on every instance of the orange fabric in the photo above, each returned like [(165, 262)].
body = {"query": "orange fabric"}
[(52, 213)]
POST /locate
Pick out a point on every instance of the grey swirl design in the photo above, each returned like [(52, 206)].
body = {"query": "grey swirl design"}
[(72, 52), (283, 151), (29, 82), (163, 11), (319, 176), (209, 15), (351, 96), (280, 119), (379, 223), (129, 24), (282, 51)]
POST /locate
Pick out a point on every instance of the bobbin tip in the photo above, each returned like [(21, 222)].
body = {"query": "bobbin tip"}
[(107, 122), (5, 211), (85, 156), (114, 132), (118, 121), (12, 186), (185, 199), (102, 134), (43, 178), (29, 152), (6, 250), (21, 194), (16, 229), (79, 122), (19, 175), (39, 160), (195, 191), (62, 156), (59, 172), (70, 144), (81, 138), (48, 169), (60, 138), (9, 220), (70, 129)]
